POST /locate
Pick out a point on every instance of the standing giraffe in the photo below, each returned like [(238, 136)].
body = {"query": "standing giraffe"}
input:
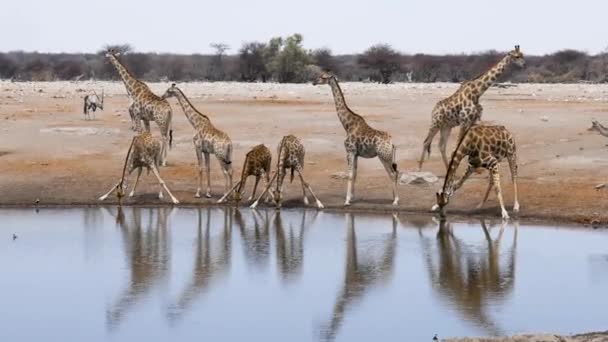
[(257, 163), (145, 105), (462, 108), (144, 151), (486, 146), (290, 155), (361, 140), (207, 140)]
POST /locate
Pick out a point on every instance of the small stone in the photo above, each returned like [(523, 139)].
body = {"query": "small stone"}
[(340, 175), (417, 178), (544, 118)]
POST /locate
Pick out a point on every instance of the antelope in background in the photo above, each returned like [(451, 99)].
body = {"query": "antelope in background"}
[(91, 103)]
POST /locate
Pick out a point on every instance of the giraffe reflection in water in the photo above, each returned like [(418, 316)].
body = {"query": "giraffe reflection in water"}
[(147, 251), (290, 246), (468, 279), (256, 241), (362, 273), (209, 265)]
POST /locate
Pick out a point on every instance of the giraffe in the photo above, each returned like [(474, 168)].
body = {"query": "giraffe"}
[(257, 163), (144, 151), (145, 105), (361, 140), (290, 155), (486, 147), (207, 140), (462, 108), (602, 130)]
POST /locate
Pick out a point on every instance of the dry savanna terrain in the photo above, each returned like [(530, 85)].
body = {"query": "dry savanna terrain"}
[(49, 152)]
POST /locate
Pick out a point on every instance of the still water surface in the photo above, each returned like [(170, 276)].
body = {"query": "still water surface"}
[(228, 275)]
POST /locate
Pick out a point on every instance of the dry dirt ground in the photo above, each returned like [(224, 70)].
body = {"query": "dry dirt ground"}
[(589, 337), (49, 152)]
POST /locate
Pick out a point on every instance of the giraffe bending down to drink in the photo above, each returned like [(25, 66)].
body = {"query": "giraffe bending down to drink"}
[(361, 140), (257, 163), (145, 105), (145, 151), (290, 155), (486, 147), (462, 108)]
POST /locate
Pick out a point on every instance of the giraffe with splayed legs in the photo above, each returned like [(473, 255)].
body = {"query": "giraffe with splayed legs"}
[(145, 151), (207, 140), (290, 155), (462, 108), (257, 163), (145, 105), (486, 147), (361, 140)]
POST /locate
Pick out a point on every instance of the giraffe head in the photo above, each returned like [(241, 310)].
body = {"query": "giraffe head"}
[(237, 196), (443, 198), (171, 91), (278, 198), (324, 78), (112, 53), (517, 57)]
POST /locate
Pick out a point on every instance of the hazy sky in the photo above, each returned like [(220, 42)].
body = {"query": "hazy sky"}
[(345, 26)]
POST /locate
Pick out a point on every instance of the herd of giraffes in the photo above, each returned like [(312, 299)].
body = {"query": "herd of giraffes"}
[(485, 146)]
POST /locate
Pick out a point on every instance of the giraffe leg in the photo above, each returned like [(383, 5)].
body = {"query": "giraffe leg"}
[(199, 157), (266, 178), (496, 181), (266, 189), (426, 147), (102, 198), (208, 171), (139, 171), (392, 175), (163, 186), (255, 187), (164, 150), (443, 143), (351, 158), (227, 171), (513, 167), (485, 196), (221, 200), (306, 186), (466, 176), (304, 197)]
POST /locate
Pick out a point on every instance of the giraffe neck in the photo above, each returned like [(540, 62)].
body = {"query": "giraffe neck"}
[(459, 153), (486, 80), (197, 119), (128, 79), (346, 116)]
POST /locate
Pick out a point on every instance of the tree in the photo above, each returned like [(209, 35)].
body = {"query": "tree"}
[(119, 48), (383, 59), (217, 66), (287, 60), (324, 59), (251, 61)]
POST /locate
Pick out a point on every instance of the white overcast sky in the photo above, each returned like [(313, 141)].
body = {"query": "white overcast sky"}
[(345, 26)]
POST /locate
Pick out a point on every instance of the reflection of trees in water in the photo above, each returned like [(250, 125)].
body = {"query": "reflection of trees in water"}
[(147, 251), (208, 266), (256, 241), (467, 278), (290, 246), (362, 273)]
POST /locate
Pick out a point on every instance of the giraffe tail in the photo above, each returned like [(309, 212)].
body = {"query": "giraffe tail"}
[(171, 138), (291, 176), (394, 164)]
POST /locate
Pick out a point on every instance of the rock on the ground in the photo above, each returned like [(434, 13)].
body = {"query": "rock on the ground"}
[(417, 178), (340, 175)]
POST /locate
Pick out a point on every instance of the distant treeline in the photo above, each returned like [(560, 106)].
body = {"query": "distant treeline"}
[(285, 60)]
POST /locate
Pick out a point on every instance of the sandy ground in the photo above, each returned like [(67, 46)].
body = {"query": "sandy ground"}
[(589, 337), (49, 152)]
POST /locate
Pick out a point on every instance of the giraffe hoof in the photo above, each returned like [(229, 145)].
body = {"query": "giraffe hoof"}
[(306, 201), (208, 195), (320, 205), (435, 208), (197, 195), (505, 216), (347, 204), (396, 202)]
